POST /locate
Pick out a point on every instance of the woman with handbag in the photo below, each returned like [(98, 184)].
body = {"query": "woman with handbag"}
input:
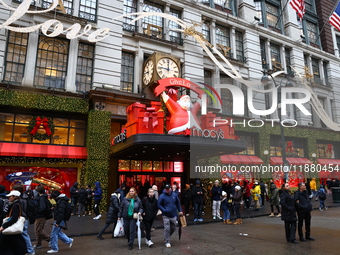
[(150, 208), (13, 243), (130, 209)]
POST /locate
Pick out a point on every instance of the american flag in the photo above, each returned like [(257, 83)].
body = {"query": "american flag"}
[(299, 7), (335, 18)]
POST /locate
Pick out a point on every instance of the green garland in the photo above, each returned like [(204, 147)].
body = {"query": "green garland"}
[(40, 136), (98, 148), (43, 102)]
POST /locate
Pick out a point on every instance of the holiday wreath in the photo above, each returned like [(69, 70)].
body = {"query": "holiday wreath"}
[(46, 124)]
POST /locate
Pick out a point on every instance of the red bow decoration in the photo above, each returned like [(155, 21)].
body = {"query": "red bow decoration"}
[(289, 147), (38, 123), (148, 115), (329, 148)]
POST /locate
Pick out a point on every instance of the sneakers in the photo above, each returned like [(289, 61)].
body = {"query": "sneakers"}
[(70, 244), (320, 209), (37, 246), (97, 217), (52, 251), (78, 215), (218, 217), (168, 245), (195, 220), (148, 242), (187, 214), (100, 237), (200, 220), (326, 208), (271, 215), (214, 218), (279, 215)]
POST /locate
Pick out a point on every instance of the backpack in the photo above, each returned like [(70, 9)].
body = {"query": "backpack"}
[(30, 211), (322, 196), (68, 211), (48, 212)]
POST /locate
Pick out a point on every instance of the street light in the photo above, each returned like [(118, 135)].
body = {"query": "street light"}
[(265, 80)]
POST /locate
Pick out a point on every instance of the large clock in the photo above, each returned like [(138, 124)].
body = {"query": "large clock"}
[(159, 66), (166, 68), (148, 72)]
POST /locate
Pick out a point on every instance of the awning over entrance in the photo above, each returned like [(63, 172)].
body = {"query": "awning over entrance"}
[(291, 161), (42, 150), (165, 147), (328, 161), (241, 159)]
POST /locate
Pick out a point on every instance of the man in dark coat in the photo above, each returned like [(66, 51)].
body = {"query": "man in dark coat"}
[(216, 193), (74, 197), (197, 199), (288, 213), (303, 208)]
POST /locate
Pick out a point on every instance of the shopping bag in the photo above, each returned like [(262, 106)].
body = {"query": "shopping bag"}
[(119, 229), (183, 221), (15, 228)]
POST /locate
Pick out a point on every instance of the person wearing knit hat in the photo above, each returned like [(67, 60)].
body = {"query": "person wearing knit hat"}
[(237, 204), (225, 208), (216, 192), (186, 197), (197, 199)]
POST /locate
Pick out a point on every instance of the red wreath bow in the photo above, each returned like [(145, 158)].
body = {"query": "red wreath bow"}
[(329, 148), (38, 123), (148, 115), (289, 147)]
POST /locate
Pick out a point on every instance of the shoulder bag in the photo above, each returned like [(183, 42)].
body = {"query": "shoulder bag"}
[(17, 227)]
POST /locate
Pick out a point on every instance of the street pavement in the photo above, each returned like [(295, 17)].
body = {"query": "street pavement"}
[(257, 235)]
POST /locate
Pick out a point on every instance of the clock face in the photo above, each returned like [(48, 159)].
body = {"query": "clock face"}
[(148, 72), (167, 68)]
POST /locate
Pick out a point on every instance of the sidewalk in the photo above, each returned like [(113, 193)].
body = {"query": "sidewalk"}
[(80, 226)]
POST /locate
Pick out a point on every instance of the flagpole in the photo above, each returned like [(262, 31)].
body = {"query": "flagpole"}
[(278, 20), (327, 22)]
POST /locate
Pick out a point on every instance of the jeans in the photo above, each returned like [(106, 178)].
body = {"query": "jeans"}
[(27, 238), (322, 204), (96, 207), (237, 210), (74, 202), (81, 208), (197, 210), (216, 207), (226, 215), (169, 227), (57, 233)]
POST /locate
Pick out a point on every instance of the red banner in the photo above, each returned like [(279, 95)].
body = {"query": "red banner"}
[(164, 84)]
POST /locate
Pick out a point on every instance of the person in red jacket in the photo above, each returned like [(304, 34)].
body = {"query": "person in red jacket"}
[(246, 194)]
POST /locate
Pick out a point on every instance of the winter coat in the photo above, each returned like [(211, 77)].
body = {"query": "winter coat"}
[(74, 190), (274, 199), (288, 212), (256, 192), (124, 206), (122, 194), (60, 208), (237, 197), (304, 204), (197, 198), (97, 191), (112, 213), (224, 204), (41, 209), (82, 196), (322, 190), (150, 208), (263, 188), (312, 184), (169, 204), (16, 211), (246, 190), (186, 194), (3, 206), (216, 193)]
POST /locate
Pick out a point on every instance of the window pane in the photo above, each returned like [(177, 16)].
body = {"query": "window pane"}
[(84, 67), (175, 36), (206, 30), (226, 96), (152, 25), (76, 137), (312, 32), (258, 7), (68, 4), (275, 57), (60, 136), (127, 71), (88, 10), (16, 57), (272, 15), (130, 6), (239, 46), (51, 63)]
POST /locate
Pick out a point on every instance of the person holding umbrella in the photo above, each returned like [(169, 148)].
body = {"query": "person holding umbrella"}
[(150, 211), (130, 209), (169, 204)]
